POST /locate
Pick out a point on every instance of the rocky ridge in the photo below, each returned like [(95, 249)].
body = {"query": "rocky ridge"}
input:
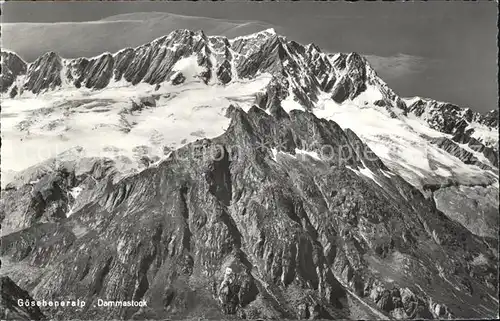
[(9, 307), (271, 229), (301, 70), (302, 73), (259, 222), (459, 123)]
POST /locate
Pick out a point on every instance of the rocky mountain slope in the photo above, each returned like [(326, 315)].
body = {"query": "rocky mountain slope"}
[(10, 308), (252, 177)]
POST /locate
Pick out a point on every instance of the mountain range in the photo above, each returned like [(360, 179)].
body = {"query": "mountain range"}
[(248, 177), (89, 38)]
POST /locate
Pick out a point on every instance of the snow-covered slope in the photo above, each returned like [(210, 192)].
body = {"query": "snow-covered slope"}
[(129, 124), (401, 143), (319, 178), (76, 102), (451, 119)]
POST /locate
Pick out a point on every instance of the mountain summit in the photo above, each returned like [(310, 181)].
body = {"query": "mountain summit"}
[(302, 77), (252, 177), (220, 60)]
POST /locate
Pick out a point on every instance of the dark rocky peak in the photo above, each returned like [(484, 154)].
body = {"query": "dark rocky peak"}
[(287, 132), (12, 66), (356, 74), (339, 60), (305, 78), (259, 233), (351, 71), (351, 64), (44, 73), (95, 72), (153, 62), (266, 52), (313, 49), (11, 59), (355, 62), (303, 71), (259, 52), (489, 119), (223, 57), (295, 47), (449, 118), (10, 309), (315, 55), (321, 66)]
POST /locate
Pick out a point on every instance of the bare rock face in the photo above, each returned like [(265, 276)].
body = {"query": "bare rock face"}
[(443, 117), (490, 119), (301, 71), (178, 79), (261, 53), (354, 80), (491, 154), (284, 216), (237, 289), (44, 73), (464, 136), (451, 119), (321, 66), (10, 309), (342, 91), (246, 225), (224, 72), (91, 73), (12, 67), (475, 207), (46, 192), (454, 149)]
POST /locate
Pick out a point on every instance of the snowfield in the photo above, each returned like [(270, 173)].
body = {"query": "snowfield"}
[(102, 123), (137, 124), (400, 142), (483, 133)]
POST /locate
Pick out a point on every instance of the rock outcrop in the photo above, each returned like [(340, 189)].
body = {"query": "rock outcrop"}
[(260, 222), (461, 123), (44, 73), (13, 67), (455, 150), (301, 71), (10, 307), (283, 216)]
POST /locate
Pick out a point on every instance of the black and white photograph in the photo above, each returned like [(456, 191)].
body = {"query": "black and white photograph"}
[(249, 160)]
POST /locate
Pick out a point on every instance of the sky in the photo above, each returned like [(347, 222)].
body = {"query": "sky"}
[(443, 50)]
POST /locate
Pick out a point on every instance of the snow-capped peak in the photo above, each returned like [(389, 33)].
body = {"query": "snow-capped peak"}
[(270, 31), (289, 76), (304, 72)]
